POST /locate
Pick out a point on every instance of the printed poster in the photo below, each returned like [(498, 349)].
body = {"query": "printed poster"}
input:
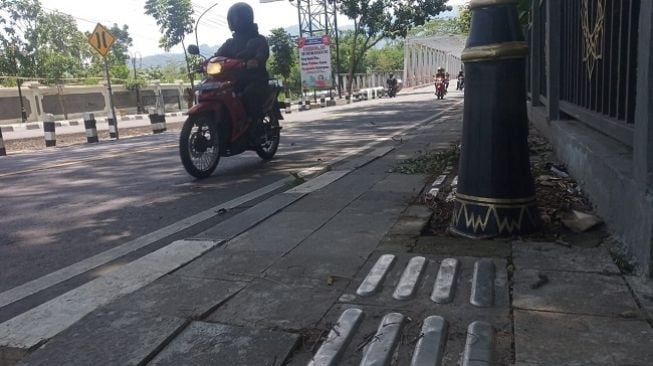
[(315, 61)]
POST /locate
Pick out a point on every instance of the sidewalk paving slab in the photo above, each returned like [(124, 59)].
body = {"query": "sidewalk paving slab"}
[(177, 296), (231, 264), (553, 338), (573, 293), (272, 303), (250, 217), (108, 337), (556, 257), (219, 344), (448, 245)]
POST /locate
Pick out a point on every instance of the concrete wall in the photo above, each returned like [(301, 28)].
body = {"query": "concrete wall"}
[(76, 100)]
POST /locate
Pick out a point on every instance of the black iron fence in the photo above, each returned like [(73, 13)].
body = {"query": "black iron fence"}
[(598, 61)]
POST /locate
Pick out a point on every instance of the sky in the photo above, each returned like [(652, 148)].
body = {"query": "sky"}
[(212, 29)]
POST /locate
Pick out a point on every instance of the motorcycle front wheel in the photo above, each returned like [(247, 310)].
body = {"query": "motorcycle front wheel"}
[(268, 148), (199, 145)]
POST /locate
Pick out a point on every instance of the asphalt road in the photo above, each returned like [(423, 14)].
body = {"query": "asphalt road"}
[(61, 206)]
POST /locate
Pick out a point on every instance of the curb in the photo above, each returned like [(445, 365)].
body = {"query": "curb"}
[(77, 122)]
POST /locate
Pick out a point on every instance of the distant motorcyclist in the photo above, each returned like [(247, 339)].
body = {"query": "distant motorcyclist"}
[(440, 77), (392, 85), (461, 80), (247, 44)]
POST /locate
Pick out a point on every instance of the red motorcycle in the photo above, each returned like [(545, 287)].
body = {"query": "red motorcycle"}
[(217, 126), (440, 89)]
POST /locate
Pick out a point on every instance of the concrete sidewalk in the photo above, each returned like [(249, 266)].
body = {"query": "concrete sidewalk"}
[(336, 271)]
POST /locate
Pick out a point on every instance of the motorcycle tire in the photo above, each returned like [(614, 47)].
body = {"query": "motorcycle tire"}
[(268, 149), (199, 145)]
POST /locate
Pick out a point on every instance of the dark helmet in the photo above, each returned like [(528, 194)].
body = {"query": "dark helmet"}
[(240, 17)]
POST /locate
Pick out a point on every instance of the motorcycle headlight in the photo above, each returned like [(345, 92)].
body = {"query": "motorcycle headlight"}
[(214, 68)]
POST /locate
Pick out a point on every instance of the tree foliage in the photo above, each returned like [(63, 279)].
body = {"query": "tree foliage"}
[(174, 18), (283, 55), (375, 20), (48, 45)]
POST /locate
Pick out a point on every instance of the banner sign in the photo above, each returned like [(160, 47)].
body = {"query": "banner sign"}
[(315, 61)]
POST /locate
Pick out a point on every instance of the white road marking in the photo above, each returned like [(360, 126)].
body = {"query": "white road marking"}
[(43, 322), (64, 274)]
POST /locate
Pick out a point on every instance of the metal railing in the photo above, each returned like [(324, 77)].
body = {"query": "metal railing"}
[(598, 48)]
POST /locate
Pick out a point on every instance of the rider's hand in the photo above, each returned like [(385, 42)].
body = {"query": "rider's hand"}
[(252, 64)]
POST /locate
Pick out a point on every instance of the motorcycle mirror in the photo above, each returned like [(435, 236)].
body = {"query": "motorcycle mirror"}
[(193, 50)]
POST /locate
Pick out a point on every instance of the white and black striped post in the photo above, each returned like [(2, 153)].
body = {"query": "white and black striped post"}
[(323, 102), (157, 121), (113, 125), (162, 119), (348, 98), (288, 106), (49, 131), (90, 124), (3, 150)]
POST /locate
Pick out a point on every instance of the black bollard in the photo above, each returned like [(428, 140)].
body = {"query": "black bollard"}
[(113, 126), (91, 128), (3, 150), (49, 131), (496, 195)]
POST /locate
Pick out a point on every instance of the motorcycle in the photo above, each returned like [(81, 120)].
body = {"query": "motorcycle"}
[(392, 91), (439, 88), (218, 125)]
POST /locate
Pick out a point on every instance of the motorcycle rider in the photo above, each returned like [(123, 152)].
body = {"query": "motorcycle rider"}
[(440, 74), (392, 85), (461, 80), (247, 44)]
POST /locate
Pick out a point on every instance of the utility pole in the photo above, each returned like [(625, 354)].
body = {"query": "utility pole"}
[(19, 83), (134, 57)]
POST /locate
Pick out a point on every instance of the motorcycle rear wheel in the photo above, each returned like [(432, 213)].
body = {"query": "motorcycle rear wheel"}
[(269, 147), (199, 145)]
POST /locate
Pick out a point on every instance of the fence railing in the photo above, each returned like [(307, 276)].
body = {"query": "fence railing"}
[(598, 62)]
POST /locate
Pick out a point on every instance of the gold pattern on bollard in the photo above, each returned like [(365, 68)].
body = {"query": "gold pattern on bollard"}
[(483, 3), (478, 221), (496, 51), (592, 39)]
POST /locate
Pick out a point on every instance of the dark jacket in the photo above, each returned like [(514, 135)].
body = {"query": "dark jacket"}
[(248, 45)]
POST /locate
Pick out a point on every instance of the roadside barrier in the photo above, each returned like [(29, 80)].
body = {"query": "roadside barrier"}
[(49, 131), (113, 126), (157, 120), (90, 124), (3, 150)]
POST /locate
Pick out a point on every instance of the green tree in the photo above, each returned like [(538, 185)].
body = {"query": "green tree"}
[(175, 19), (441, 27), (61, 47), (465, 18), (465, 15), (283, 57), (375, 20), (18, 36), (388, 58)]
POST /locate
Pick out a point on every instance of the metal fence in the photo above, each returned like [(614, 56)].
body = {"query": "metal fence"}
[(598, 61)]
